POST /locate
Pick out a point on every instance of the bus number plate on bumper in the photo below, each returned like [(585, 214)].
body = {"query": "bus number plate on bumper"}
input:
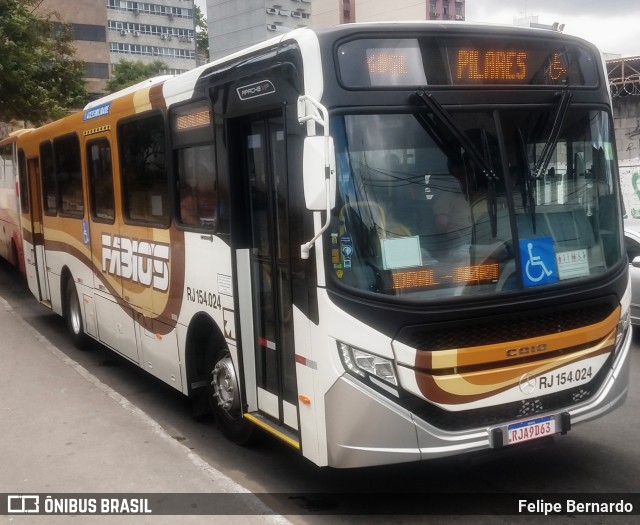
[(531, 429)]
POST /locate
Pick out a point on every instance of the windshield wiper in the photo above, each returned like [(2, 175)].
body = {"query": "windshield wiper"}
[(457, 132), (463, 139), (528, 198), (552, 141), (543, 160)]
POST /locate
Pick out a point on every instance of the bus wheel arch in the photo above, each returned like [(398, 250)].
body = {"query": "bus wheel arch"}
[(211, 370)]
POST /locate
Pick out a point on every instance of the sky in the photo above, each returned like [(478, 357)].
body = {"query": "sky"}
[(612, 25)]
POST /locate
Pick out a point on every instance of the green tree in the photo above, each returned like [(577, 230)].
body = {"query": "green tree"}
[(40, 79), (127, 73), (202, 34)]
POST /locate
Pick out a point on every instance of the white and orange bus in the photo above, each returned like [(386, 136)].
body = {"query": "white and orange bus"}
[(10, 236), (381, 243)]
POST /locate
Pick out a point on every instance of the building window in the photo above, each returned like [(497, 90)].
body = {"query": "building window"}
[(97, 70)]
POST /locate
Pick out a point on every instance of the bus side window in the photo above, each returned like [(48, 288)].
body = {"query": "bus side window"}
[(197, 193), (69, 175), (49, 186), (195, 165), (145, 186), (24, 182), (100, 180)]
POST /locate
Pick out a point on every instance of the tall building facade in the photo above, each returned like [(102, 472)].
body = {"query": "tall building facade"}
[(157, 30), (236, 24), (328, 13), (446, 9), (332, 12), (88, 21), (115, 30)]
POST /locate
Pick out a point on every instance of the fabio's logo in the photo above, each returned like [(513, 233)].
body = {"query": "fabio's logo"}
[(142, 262)]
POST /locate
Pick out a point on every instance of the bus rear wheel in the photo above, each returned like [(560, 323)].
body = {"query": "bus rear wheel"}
[(223, 394), (73, 316), (15, 258)]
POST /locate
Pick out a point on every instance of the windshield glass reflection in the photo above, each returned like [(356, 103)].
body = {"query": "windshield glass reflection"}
[(417, 217)]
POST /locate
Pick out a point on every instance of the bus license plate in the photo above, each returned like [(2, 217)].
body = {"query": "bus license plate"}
[(531, 429)]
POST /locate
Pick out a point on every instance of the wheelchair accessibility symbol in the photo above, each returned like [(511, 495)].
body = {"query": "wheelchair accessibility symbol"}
[(538, 261)]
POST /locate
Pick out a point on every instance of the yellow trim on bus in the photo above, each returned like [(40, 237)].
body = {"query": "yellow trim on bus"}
[(292, 442), (142, 100), (93, 131)]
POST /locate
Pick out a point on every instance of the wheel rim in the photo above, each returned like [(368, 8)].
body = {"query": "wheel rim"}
[(74, 314), (225, 387)]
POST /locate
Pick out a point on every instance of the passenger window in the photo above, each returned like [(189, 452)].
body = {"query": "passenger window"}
[(196, 177), (197, 187), (24, 186), (145, 189), (69, 175), (49, 189), (100, 181)]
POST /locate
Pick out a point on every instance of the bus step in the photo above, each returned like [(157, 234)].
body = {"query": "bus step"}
[(278, 431)]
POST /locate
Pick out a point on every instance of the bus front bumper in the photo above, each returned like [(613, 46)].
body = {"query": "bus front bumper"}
[(365, 428)]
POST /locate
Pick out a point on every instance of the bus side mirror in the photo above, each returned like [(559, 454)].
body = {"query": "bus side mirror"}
[(319, 167)]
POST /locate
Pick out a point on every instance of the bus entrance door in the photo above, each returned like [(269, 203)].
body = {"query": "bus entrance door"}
[(267, 271), (35, 259)]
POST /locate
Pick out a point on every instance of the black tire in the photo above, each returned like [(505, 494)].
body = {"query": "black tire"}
[(15, 259), (73, 316), (223, 395)]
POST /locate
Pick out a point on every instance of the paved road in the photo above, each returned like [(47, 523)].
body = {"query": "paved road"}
[(600, 456)]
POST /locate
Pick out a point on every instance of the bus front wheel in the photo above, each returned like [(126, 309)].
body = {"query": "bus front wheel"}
[(223, 393)]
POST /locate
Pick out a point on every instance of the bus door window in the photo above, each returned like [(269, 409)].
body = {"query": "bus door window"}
[(36, 267), (264, 306), (266, 171)]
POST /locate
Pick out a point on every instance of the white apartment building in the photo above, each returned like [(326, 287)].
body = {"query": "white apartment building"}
[(332, 12), (237, 24), (157, 30)]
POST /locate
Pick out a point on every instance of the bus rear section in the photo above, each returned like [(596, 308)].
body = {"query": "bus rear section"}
[(10, 236)]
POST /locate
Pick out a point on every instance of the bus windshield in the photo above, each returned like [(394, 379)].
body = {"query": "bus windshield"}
[(417, 217)]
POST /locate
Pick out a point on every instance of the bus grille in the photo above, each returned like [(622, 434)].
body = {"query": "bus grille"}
[(503, 329)]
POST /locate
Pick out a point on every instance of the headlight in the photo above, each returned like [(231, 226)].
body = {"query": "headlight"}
[(366, 365)]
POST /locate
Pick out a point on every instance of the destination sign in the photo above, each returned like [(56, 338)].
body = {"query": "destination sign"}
[(454, 60)]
